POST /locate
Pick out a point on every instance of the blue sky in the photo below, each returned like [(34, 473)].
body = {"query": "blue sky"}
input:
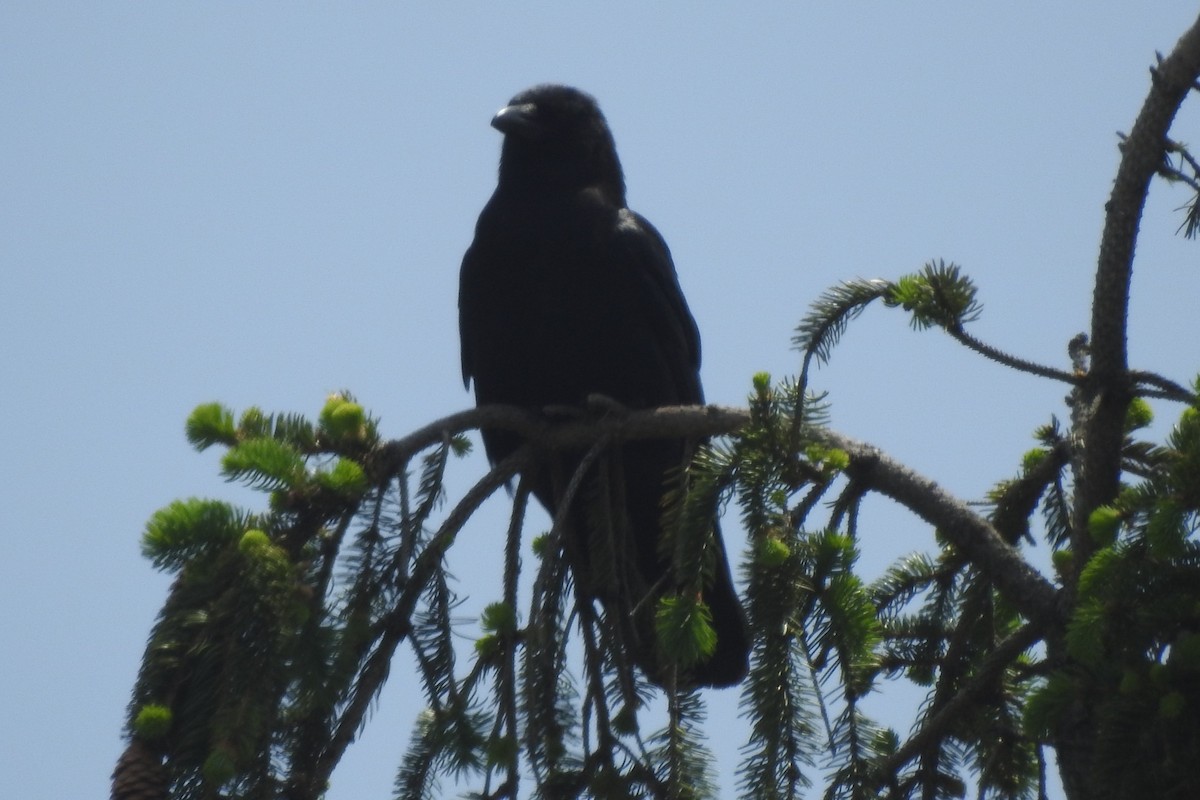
[(263, 203)]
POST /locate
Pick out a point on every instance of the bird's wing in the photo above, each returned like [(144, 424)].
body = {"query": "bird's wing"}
[(472, 290), (465, 317), (640, 247)]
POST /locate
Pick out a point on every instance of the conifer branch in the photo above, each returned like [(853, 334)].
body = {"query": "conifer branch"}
[(960, 335), (667, 422), (396, 625), (970, 533), (508, 718), (982, 680), (1106, 391), (1167, 388)]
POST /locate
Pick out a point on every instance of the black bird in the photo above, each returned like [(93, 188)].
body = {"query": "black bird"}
[(566, 293)]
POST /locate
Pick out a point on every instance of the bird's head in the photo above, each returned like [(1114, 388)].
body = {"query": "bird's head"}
[(556, 138)]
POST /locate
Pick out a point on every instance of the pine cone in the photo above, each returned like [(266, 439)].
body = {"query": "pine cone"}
[(140, 774)]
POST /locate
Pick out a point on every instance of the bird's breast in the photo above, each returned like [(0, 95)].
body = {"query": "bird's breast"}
[(553, 320)]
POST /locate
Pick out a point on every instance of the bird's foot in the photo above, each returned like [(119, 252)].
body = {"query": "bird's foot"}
[(564, 413), (601, 405), (596, 406)]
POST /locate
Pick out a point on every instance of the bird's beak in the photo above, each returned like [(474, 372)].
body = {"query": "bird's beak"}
[(520, 119)]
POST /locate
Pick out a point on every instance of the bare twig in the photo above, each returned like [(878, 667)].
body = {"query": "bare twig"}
[(999, 356)]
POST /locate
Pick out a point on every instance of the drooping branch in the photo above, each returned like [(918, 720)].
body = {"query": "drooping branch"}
[(396, 625), (980, 683), (972, 535)]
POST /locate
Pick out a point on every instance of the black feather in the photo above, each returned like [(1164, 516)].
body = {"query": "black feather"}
[(566, 293)]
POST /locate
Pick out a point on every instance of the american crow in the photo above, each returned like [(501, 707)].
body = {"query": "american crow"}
[(566, 293)]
